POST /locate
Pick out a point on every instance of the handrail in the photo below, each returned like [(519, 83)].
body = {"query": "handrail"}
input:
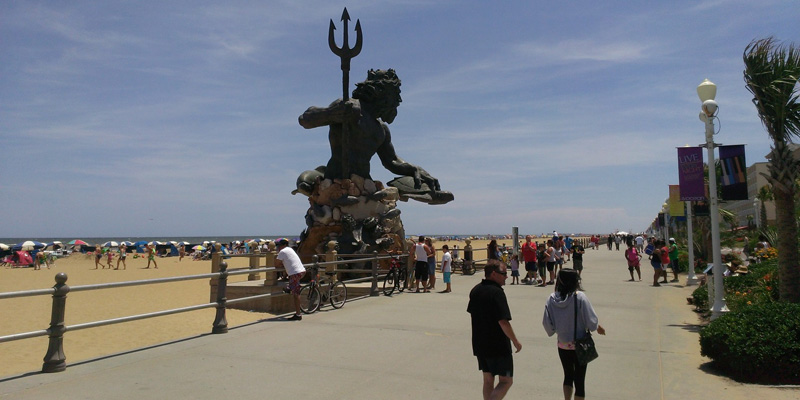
[(54, 359)]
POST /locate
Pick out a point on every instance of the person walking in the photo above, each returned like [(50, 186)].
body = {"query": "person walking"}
[(632, 257), (492, 334), (655, 262), (98, 255), (123, 254), (447, 265), (151, 255), (569, 313), (528, 251), (290, 261), (665, 262), (673, 259), (577, 257), (550, 253), (431, 259)]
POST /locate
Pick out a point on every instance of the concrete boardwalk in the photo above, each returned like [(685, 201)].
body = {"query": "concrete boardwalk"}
[(413, 346)]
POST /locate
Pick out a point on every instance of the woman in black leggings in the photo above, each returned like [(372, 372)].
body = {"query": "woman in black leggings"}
[(560, 317)]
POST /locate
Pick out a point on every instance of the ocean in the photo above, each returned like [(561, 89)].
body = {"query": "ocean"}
[(100, 240)]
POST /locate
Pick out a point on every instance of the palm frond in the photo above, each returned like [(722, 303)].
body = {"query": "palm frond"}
[(771, 74)]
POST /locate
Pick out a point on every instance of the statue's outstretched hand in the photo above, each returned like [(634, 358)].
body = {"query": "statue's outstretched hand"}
[(422, 176)]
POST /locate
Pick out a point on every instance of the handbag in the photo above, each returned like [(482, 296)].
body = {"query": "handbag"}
[(584, 347)]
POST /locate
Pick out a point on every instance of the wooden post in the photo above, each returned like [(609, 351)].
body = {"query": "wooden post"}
[(254, 257), (220, 321), (468, 268), (331, 255), (54, 360)]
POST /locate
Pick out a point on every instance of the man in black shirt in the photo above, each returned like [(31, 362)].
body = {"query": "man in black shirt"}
[(577, 257), (492, 333)]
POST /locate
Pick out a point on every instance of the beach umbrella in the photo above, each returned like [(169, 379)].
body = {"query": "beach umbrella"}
[(4, 246), (172, 242), (183, 243), (29, 245), (110, 244), (77, 242), (54, 245), (198, 247), (126, 243), (155, 243)]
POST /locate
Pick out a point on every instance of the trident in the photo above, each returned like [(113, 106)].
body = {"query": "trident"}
[(345, 53)]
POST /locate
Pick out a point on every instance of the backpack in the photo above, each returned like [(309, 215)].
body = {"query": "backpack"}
[(649, 249)]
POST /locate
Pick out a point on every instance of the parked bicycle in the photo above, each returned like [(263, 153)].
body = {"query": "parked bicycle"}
[(322, 289), (396, 278)]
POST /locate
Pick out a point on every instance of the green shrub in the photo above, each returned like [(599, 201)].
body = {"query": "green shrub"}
[(759, 343), (700, 298)]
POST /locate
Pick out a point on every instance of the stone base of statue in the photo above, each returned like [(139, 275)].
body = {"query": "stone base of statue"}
[(361, 215)]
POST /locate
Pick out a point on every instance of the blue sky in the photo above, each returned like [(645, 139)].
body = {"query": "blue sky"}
[(179, 118)]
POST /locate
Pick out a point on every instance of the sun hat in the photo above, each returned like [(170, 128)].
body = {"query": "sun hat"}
[(282, 242)]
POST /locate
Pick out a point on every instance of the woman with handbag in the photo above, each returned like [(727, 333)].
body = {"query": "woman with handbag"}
[(569, 313)]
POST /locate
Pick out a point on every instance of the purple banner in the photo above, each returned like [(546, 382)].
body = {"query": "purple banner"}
[(690, 173), (734, 172)]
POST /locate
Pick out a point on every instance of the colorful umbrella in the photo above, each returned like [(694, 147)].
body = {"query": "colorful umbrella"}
[(77, 242), (29, 245), (198, 247)]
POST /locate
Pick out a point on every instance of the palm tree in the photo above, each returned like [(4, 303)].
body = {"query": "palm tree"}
[(764, 195), (771, 74)]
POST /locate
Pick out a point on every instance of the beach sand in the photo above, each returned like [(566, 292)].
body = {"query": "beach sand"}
[(27, 314)]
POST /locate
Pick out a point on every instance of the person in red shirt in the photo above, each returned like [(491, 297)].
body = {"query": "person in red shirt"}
[(529, 256)]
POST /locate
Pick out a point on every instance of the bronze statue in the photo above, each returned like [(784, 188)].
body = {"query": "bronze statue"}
[(365, 118)]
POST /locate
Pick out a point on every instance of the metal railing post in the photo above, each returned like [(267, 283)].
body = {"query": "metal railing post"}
[(54, 360), (220, 321), (373, 291)]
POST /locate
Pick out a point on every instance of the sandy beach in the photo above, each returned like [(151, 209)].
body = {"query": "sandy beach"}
[(33, 313)]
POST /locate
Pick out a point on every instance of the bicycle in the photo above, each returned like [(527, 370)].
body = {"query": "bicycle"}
[(311, 296), (396, 278)]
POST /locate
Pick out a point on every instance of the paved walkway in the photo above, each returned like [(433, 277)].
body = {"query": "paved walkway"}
[(417, 346)]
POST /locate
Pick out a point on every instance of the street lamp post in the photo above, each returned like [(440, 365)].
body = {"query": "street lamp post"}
[(691, 279), (707, 91)]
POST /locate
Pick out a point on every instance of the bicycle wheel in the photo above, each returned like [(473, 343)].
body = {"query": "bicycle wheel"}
[(403, 283), (309, 299), (338, 294), (388, 282)]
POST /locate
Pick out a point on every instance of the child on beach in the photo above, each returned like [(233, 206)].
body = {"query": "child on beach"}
[(515, 269), (109, 257), (447, 264)]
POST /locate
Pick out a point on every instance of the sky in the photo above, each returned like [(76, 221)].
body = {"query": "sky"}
[(179, 118)]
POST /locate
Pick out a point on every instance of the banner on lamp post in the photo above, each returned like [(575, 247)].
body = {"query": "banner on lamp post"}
[(690, 174), (734, 172), (676, 207)]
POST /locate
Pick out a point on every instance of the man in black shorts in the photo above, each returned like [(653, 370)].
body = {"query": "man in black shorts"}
[(492, 333), (420, 253)]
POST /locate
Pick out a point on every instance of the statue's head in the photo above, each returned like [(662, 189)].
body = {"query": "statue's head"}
[(382, 91)]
